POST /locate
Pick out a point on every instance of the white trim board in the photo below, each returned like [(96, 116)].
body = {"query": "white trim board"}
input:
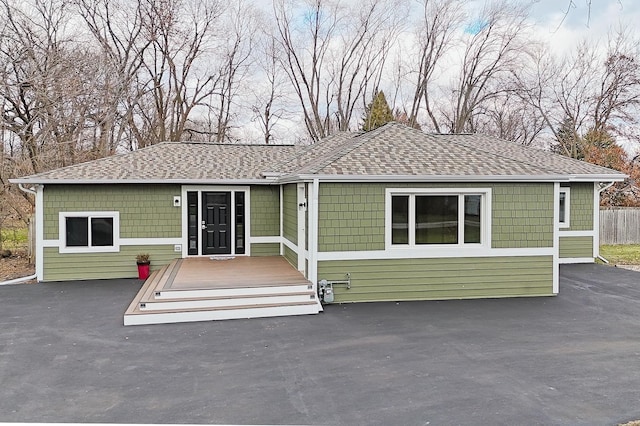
[(556, 238), (265, 240), (564, 260), (576, 233), (440, 253), (129, 242)]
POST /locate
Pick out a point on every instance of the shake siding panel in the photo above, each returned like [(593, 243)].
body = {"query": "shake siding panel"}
[(146, 211), (581, 207), (265, 211), (290, 213), (351, 215)]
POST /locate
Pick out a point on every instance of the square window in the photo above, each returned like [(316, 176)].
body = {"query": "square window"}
[(89, 232)]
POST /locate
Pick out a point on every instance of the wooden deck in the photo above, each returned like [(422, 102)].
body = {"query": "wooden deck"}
[(205, 272), (204, 289)]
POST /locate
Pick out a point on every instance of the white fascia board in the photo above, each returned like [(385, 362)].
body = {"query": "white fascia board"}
[(426, 178), (146, 181)]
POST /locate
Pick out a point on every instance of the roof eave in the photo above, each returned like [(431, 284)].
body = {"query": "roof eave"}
[(256, 181), (433, 178)]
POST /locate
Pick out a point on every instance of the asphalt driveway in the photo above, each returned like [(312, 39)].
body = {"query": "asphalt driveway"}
[(567, 360)]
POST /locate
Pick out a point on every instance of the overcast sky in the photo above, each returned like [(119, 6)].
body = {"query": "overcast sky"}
[(563, 20)]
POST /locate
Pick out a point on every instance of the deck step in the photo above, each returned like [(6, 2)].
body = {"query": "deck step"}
[(195, 293), (213, 302), (222, 313)]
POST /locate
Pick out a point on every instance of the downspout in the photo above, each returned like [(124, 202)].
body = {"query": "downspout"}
[(313, 235), (27, 190), (602, 188), (30, 277)]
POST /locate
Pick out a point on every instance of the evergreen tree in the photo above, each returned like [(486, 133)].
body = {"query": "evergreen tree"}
[(568, 142), (377, 113)]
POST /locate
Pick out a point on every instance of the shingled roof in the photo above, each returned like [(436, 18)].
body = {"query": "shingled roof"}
[(392, 150)]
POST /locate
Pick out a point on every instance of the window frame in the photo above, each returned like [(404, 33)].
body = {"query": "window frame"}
[(62, 232), (485, 217), (567, 207)]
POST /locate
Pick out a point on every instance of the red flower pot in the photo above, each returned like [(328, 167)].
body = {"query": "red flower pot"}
[(143, 271)]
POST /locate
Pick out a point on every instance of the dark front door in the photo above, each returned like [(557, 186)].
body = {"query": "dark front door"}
[(216, 223)]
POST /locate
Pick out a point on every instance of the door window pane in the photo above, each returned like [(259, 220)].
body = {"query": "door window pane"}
[(239, 208), (400, 220), (436, 219), (472, 218)]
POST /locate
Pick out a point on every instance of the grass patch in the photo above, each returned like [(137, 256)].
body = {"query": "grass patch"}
[(621, 254), (14, 238)]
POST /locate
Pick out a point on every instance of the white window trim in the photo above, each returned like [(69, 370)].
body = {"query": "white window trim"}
[(485, 222), (62, 232), (567, 207)]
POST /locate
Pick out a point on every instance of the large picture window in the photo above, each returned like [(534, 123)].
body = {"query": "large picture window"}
[(430, 217), (89, 232)]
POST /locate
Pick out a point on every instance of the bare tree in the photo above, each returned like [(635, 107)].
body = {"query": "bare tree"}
[(270, 98), (334, 56), (117, 27), (589, 89), (45, 84), (174, 80), (434, 37), (240, 32), (494, 46)]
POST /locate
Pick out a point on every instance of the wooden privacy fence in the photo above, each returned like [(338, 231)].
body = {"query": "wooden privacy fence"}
[(620, 225)]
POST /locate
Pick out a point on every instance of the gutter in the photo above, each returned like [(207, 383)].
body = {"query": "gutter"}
[(426, 178)]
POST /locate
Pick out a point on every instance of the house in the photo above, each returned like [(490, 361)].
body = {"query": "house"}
[(394, 213)]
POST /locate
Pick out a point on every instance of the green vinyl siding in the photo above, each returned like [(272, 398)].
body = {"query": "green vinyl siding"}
[(433, 279), (146, 211), (87, 266), (576, 247), (265, 249), (581, 207), (351, 215), (291, 256), (290, 212), (265, 211)]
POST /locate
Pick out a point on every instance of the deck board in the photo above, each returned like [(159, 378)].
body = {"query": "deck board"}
[(242, 271)]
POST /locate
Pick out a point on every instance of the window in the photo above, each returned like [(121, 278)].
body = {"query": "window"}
[(82, 232), (563, 208), (436, 217)]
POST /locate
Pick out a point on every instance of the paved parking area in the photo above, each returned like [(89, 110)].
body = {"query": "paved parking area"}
[(567, 360)]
